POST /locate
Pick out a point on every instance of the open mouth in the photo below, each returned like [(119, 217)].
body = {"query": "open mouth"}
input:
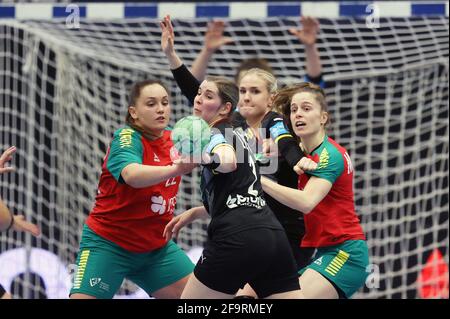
[(300, 124), (160, 118)]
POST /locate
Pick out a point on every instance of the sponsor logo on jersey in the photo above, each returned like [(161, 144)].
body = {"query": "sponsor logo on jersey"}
[(349, 163), (318, 261), (278, 129), (156, 158), (171, 181), (250, 201), (125, 137), (158, 205), (94, 281)]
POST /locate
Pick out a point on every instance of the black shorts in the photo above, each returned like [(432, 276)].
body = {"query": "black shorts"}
[(261, 257), (302, 255), (2, 291)]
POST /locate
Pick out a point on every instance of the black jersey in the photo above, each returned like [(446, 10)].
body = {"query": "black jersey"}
[(234, 200), (291, 220), (273, 126)]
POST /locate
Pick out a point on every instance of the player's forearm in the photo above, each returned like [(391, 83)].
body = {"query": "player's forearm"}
[(139, 176), (174, 60), (290, 150), (313, 63), (290, 197), (199, 213), (5, 216), (200, 64)]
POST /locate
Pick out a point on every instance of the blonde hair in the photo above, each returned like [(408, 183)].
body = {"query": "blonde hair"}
[(269, 78)]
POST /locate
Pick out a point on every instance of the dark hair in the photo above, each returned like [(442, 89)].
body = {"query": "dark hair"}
[(282, 100), (251, 63), (228, 91), (135, 93)]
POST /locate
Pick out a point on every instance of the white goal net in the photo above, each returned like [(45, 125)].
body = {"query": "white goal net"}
[(64, 91)]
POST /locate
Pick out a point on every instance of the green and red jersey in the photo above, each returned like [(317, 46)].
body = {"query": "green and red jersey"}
[(333, 220), (134, 218)]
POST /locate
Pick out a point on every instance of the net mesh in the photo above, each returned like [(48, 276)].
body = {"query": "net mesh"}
[(64, 91)]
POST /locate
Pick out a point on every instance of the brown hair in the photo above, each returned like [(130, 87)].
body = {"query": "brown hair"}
[(283, 98), (135, 93), (228, 91), (251, 63)]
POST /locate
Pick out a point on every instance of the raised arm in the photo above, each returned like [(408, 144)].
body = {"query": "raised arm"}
[(308, 36), (214, 39), (187, 83), (168, 43)]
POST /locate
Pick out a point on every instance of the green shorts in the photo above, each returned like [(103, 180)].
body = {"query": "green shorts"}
[(345, 265), (103, 265)]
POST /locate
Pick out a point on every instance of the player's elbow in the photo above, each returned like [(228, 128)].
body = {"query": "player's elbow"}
[(307, 207), (131, 176), (228, 161), (227, 167)]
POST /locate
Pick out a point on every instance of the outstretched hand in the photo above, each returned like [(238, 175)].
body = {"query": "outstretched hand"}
[(308, 33), (214, 38), (6, 157), (167, 35), (173, 227), (20, 224)]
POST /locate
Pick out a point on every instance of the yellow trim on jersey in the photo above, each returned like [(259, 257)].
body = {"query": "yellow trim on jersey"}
[(281, 136), (336, 264), (323, 159), (81, 268)]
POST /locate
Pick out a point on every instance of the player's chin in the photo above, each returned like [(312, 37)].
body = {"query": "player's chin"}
[(300, 132), (246, 112), (161, 125)]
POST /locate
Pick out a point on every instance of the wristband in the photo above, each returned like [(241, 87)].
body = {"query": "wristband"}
[(11, 223)]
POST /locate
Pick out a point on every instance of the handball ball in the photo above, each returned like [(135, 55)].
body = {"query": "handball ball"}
[(191, 135)]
